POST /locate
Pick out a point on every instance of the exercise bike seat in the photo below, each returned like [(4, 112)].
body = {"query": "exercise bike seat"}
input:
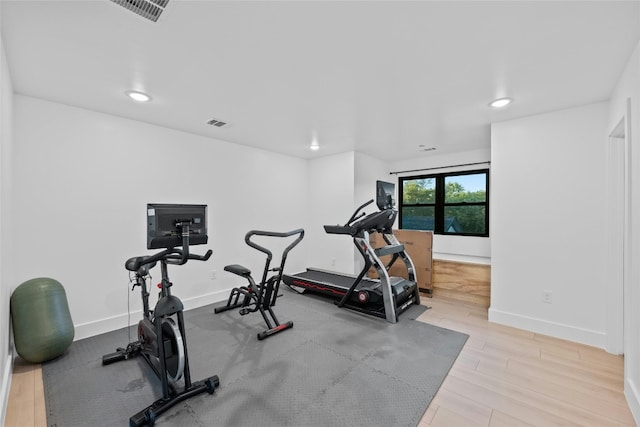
[(238, 269), (133, 264)]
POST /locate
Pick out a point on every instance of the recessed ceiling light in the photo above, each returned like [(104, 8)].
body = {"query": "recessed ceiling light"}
[(501, 102), (138, 96), (314, 142)]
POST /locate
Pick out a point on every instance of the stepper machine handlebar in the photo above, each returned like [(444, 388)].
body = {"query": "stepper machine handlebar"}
[(250, 234)]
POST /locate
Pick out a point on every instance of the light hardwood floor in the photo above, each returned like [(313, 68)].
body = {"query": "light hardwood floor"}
[(509, 377), (26, 400), (503, 377)]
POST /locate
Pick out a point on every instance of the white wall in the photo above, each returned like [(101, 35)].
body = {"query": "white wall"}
[(81, 183), (331, 201), (368, 170), (453, 248), (548, 198), (6, 227), (338, 184), (628, 89)]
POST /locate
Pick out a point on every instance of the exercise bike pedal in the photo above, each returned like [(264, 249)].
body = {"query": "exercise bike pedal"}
[(244, 311), (132, 350), (119, 355)]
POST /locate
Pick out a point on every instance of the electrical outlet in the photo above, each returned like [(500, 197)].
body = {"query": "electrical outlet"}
[(214, 274), (547, 297)]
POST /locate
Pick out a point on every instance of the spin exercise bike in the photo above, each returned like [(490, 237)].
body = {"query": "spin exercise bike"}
[(161, 332), (261, 296)]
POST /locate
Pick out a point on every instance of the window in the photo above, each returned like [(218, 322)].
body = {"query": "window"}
[(454, 203)]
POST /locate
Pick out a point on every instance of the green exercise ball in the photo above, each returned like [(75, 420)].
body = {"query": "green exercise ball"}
[(42, 325)]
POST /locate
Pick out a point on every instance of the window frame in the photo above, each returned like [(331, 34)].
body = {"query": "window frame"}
[(440, 203)]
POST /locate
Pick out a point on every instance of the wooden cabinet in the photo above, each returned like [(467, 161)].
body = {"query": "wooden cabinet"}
[(462, 281)]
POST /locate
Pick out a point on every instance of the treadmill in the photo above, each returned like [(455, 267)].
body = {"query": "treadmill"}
[(386, 297)]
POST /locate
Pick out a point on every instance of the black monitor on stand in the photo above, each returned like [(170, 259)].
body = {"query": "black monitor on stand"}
[(166, 223), (385, 195)]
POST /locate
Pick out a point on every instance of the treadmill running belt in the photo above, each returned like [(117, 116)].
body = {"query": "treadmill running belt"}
[(337, 280)]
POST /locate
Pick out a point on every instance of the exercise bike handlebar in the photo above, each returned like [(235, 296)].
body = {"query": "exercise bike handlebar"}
[(183, 256), (250, 234), (175, 256)]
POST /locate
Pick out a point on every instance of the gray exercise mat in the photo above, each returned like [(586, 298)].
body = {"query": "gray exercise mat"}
[(335, 367)]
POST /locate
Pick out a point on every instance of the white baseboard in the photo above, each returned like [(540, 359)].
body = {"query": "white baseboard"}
[(97, 327), (633, 399), (470, 259), (6, 387), (557, 330)]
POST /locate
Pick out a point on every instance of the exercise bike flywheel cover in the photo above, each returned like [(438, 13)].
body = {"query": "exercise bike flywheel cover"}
[(175, 361)]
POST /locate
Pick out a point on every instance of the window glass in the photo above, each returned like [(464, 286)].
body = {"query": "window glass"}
[(418, 218), (417, 191), (464, 219), (454, 203), (465, 188)]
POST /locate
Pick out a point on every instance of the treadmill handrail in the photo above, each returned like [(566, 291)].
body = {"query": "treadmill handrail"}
[(339, 229), (353, 217), (389, 250), (348, 227)]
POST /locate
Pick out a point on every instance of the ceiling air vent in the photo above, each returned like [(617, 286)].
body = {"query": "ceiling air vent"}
[(423, 147), (150, 9), (217, 123)]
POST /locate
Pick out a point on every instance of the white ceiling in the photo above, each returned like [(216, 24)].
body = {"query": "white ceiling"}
[(379, 77)]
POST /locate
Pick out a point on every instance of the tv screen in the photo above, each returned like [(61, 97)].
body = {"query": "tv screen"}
[(166, 221), (385, 195)]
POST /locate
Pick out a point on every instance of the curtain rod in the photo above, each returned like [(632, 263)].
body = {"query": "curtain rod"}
[(441, 167)]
